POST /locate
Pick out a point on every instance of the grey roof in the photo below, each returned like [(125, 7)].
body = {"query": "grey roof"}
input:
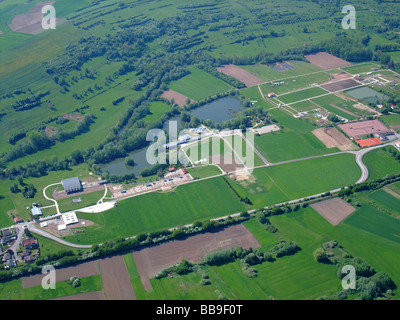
[(72, 185)]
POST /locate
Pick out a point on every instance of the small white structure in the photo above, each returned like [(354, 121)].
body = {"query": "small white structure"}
[(397, 144), (61, 227), (70, 218), (43, 224)]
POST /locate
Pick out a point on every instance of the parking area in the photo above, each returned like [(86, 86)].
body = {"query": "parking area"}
[(174, 178)]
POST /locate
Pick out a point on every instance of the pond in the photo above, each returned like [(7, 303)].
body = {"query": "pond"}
[(366, 93), (219, 111), (118, 166)]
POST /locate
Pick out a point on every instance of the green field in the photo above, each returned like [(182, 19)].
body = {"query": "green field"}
[(387, 201), (301, 95), (158, 210), (13, 290), (381, 163), (199, 85), (361, 68), (295, 180), (267, 73)]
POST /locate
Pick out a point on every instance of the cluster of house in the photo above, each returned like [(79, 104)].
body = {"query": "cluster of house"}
[(26, 253)]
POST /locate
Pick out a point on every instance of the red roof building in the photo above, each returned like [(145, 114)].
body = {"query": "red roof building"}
[(18, 220)]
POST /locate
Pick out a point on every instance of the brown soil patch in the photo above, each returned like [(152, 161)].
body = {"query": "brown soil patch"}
[(340, 85), (83, 270), (226, 162), (333, 138), (242, 75), (50, 130), (31, 22), (76, 116), (326, 61), (339, 76), (179, 98), (152, 260), (333, 210), (116, 281), (363, 128), (52, 227), (87, 296)]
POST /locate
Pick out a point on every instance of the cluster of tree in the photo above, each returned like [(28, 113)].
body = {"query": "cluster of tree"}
[(40, 141), (348, 49), (30, 102), (181, 268), (370, 185), (285, 248), (245, 199)]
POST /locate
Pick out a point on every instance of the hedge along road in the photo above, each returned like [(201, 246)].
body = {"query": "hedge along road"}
[(359, 156)]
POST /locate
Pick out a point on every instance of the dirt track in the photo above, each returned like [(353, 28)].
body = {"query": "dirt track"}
[(150, 261), (333, 210)]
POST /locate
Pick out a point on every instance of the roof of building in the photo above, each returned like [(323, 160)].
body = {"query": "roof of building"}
[(29, 241), (18, 219), (70, 218), (36, 211), (72, 184)]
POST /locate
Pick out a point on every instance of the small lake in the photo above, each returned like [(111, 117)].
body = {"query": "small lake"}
[(366, 93), (118, 167), (219, 110)]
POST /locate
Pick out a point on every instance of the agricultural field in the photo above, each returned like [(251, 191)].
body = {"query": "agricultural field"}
[(80, 99)]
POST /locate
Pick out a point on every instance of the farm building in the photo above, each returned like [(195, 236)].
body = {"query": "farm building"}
[(386, 136), (369, 142), (36, 211), (72, 185), (271, 95), (397, 145)]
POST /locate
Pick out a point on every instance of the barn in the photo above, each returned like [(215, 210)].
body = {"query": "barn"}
[(72, 185)]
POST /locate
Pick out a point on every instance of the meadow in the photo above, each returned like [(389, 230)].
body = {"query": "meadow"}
[(381, 163), (293, 277), (161, 210), (199, 85)]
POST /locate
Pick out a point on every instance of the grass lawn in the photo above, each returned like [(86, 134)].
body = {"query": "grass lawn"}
[(289, 145), (88, 199), (150, 212), (292, 181), (199, 85), (204, 171)]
